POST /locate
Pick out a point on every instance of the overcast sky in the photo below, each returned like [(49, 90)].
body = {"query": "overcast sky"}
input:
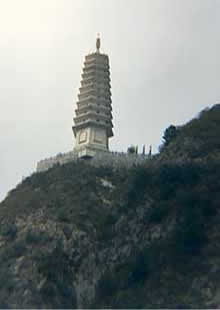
[(165, 68)]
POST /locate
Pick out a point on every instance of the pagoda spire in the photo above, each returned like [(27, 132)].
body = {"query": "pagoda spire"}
[(98, 44)]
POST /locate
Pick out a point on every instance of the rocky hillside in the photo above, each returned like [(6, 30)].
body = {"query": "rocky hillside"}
[(198, 140), (77, 236)]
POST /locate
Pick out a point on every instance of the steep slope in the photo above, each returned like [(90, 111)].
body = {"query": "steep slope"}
[(146, 237)]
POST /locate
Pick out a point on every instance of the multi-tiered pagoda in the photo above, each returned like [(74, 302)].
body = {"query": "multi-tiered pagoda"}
[(93, 121)]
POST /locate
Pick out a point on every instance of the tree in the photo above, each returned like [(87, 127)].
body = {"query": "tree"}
[(169, 134), (131, 150)]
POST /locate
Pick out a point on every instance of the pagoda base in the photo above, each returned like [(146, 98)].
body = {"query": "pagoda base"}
[(89, 152)]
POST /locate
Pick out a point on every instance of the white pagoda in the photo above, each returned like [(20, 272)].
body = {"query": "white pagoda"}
[(93, 121)]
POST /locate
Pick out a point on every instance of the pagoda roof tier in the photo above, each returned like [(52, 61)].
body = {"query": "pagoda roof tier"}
[(101, 89), (96, 94), (94, 99), (87, 80), (96, 63), (93, 106), (95, 74), (91, 92), (98, 68), (93, 119), (100, 100), (103, 105), (92, 114), (96, 56), (80, 113), (94, 85)]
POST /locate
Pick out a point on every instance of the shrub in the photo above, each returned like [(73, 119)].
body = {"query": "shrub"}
[(107, 285), (13, 250), (36, 237), (56, 268), (136, 186), (189, 235), (169, 134), (159, 211), (131, 150), (9, 230), (6, 277), (62, 215)]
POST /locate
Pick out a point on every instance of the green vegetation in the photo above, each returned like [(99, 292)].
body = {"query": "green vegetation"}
[(36, 237), (199, 138), (8, 230), (170, 134)]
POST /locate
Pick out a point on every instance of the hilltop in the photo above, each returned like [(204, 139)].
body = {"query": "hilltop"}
[(79, 236)]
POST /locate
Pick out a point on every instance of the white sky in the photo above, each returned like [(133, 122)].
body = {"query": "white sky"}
[(165, 68)]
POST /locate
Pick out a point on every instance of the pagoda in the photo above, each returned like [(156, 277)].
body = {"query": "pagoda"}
[(93, 115)]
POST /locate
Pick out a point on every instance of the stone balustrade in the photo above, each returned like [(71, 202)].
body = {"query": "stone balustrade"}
[(101, 158)]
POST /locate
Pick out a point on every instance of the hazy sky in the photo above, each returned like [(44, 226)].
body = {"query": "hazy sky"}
[(165, 68)]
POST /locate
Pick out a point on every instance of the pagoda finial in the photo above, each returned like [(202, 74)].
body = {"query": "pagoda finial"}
[(98, 43)]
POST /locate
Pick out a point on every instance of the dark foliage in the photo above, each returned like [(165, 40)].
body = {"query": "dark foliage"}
[(57, 291), (8, 230), (169, 134)]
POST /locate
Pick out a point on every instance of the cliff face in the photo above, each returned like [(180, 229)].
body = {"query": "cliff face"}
[(144, 237)]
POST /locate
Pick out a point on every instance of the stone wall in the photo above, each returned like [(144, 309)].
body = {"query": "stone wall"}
[(61, 158), (113, 159), (116, 159)]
